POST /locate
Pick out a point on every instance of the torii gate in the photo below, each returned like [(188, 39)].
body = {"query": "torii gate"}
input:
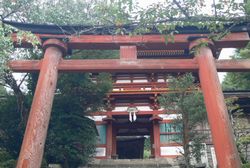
[(204, 63)]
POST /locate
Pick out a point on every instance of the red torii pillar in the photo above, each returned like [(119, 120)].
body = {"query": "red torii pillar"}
[(32, 149), (222, 134)]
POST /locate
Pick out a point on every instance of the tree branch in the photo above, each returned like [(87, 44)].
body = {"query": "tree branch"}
[(11, 12), (215, 9), (181, 9), (21, 82), (11, 82)]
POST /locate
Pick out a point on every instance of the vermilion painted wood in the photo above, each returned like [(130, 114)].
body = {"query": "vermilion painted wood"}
[(128, 125), (151, 142), (181, 41), (170, 156), (109, 140), (238, 65), (32, 149), (114, 142), (111, 65), (126, 113), (222, 135), (143, 92), (116, 65), (156, 132), (128, 53), (141, 84), (134, 133)]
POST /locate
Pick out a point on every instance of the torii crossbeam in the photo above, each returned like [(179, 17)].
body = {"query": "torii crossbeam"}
[(134, 65), (204, 63)]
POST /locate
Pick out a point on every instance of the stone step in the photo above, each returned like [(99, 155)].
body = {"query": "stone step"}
[(134, 163)]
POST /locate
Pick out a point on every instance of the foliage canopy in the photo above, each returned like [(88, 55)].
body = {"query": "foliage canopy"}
[(185, 100)]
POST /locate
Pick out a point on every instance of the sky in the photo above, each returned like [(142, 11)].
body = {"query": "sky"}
[(145, 3), (225, 54)]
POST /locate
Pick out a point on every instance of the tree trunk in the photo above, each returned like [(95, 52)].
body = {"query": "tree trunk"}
[(11, 82)]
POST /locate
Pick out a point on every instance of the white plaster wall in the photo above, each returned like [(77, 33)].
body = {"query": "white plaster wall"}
[(169, 116), (171, 150), (97, 118), (100, 152)]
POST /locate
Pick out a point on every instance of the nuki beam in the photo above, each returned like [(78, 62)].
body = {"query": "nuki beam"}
[(136, 65)]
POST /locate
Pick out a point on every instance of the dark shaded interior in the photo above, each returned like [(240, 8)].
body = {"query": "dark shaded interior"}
[(131, 148)]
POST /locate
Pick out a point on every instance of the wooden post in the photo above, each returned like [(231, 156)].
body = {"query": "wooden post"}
[(32, 149), (114, 141), (222, 134), (109, 140), (156, 132), (152, 143)]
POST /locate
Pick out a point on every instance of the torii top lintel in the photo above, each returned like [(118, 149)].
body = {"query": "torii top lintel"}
[(87, 37)]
